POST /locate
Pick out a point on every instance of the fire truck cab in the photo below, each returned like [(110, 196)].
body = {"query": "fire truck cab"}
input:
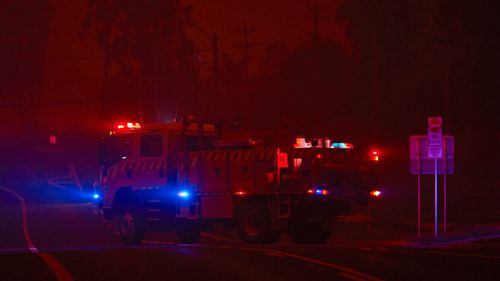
[(174, 177)]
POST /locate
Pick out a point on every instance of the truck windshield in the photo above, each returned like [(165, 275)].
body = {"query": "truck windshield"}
[(117, 148)]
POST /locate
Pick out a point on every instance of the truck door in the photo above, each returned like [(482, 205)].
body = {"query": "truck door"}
[(149, 169)]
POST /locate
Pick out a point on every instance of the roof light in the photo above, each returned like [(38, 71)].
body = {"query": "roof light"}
[(128, 125), (342, 145), (301, 142), (133, 125)]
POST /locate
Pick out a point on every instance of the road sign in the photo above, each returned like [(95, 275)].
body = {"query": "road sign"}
[(423, 152), (420, 162), (435, 136)]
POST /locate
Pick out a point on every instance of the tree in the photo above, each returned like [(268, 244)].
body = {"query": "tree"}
[(145, 45)]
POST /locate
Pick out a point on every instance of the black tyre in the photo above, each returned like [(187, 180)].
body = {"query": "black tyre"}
[(255, 225), (188, 231), (131, 225), (303, 231)]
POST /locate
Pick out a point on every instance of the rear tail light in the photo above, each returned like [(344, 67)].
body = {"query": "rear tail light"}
[(318, 191), (240, 193), (374, 155)]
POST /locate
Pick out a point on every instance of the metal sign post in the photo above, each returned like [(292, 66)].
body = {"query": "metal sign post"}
[(418, 173), (435, 136), (436, 198), (444, 188)]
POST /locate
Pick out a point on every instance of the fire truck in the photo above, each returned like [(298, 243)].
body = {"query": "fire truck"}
[(182, 176)]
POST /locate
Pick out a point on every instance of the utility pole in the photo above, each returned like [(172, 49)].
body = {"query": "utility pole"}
[(246, 31), (315, 17), (215, 50)]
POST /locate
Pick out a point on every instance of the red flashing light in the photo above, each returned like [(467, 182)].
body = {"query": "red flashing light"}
[(240, 193), (310, 191), (376, 193), (128, 125)]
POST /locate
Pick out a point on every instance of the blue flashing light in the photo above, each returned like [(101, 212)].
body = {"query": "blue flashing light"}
[(183, 194), (95, 196), (342, 145)]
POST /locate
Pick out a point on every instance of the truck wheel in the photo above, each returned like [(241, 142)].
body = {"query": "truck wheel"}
[(131, 225), (255, 226), (188, 231), (302, 231)]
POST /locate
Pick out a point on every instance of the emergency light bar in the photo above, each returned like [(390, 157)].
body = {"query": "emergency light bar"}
[(342, 145), (300, 142), (128, 126)]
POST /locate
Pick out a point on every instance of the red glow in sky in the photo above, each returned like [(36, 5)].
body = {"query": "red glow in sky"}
[(274, 21)]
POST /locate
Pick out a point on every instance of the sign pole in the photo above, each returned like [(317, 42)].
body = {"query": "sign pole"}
[(444, 189), (435, 150), (278, 179), (418, 196), (435, 197)]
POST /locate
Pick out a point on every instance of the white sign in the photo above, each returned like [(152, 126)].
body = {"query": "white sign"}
[(435, 136), (421, 163)]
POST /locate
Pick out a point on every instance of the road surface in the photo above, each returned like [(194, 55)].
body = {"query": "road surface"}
[(45, 237)]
